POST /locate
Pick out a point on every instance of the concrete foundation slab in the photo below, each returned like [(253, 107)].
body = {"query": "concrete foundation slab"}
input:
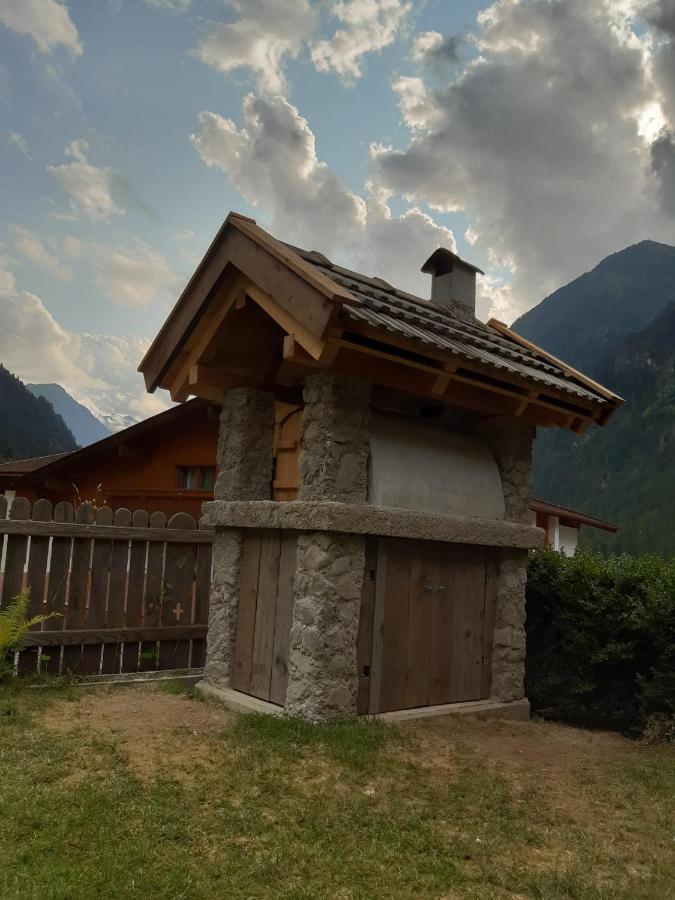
[(236, 701), (518, 710)]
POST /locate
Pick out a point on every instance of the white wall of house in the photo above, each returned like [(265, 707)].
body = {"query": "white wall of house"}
[(562, 537)]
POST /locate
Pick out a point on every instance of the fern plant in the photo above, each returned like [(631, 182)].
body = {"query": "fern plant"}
[(13, 626)]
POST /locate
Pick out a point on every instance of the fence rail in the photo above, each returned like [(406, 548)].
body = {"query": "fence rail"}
[(131, 590)]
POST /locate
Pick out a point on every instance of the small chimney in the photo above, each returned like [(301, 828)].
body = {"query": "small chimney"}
[(453, 283)]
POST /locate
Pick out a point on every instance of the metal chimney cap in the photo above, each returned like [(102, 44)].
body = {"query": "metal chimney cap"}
[(443, 259)]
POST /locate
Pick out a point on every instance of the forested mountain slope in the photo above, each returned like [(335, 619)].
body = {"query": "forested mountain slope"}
[(28, 424), (616, 323)]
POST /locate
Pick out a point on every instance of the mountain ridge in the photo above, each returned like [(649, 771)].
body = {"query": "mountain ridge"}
[(82, 422)]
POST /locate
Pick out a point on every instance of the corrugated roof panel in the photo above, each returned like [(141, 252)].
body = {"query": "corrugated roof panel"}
[(403, 314)]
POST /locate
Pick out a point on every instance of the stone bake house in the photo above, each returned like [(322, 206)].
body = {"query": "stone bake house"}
[(394, 577)]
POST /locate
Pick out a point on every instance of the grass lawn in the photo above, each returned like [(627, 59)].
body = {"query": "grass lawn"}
[(135, 792)]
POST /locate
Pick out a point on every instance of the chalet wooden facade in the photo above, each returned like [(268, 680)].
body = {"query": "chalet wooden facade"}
[(395, 579)]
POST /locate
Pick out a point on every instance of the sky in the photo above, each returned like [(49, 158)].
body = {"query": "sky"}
[(534, 137)]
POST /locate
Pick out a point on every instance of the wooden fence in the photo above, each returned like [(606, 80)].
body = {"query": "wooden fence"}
[(131, 590)]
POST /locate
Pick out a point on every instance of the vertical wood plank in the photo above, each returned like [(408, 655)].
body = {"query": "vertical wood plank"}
[(100, 572), (78, 589), (240, 678), (263, 637), (117, 589), (374, 700), (179, 571), (491, 580), (98, 591), (284, 618), (467, 633), (136, 584), (200, 614), (440, 651), (15, 557), (57, 586), (37, 562), (364, 641), (397, 605), (154, 592), (425, 587)]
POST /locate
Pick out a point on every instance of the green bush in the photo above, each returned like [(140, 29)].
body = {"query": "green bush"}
[(601, 640)]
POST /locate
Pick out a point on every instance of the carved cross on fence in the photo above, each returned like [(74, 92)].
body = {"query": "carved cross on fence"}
[(178, 611)]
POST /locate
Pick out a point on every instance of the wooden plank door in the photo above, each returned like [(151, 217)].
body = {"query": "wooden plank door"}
[(264, 615), (431, 625)]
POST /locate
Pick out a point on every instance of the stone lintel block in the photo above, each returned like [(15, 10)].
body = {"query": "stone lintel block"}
[(357, 518)]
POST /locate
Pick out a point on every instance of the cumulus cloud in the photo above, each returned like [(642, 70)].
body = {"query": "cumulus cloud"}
[(271, 160), (89, 187), (133, 275), (32, 249), (663, 165), (431, 48), (98, 370), (170, 4), (47, 22), (263, 37), (538, 139), (368, 26), (21, 144)]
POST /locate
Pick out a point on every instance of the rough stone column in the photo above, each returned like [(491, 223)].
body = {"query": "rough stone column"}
[(508, 650), (323, 680), (510, 440), (335, 439), (245, 446), (245, 455)]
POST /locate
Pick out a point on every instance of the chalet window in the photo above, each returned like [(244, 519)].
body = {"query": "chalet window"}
[(196, 478), (207, 477)]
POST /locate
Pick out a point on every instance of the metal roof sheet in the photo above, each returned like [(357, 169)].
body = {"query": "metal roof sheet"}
[(418, 320)]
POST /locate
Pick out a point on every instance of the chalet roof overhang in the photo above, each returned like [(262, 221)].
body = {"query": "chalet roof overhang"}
[(571, 517), (124, 443), (258, 312)]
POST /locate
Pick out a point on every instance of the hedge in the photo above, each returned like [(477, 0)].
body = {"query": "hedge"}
[(601, 641)]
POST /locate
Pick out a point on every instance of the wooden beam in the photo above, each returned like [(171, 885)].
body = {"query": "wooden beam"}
[(210, 322), (112, 635), (313, 345), (57, 529)]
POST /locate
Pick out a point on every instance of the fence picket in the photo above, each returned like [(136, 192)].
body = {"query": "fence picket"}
[(136, 583), (37, 561), (15, 557), (117, 591), (152, 598), (179, 568)]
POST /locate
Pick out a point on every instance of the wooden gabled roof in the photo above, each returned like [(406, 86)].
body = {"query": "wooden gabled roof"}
[(261, 312)]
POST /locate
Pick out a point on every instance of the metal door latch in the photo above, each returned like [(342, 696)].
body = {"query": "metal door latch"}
[(436, 587)]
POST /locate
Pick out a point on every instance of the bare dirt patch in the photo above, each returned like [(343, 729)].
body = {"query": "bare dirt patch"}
[(160, 733)]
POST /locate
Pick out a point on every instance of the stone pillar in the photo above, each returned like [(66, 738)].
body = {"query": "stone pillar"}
[(245, 446), (508, 649), (335, 439), (510, 440), (245, 460), (323, 677)]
